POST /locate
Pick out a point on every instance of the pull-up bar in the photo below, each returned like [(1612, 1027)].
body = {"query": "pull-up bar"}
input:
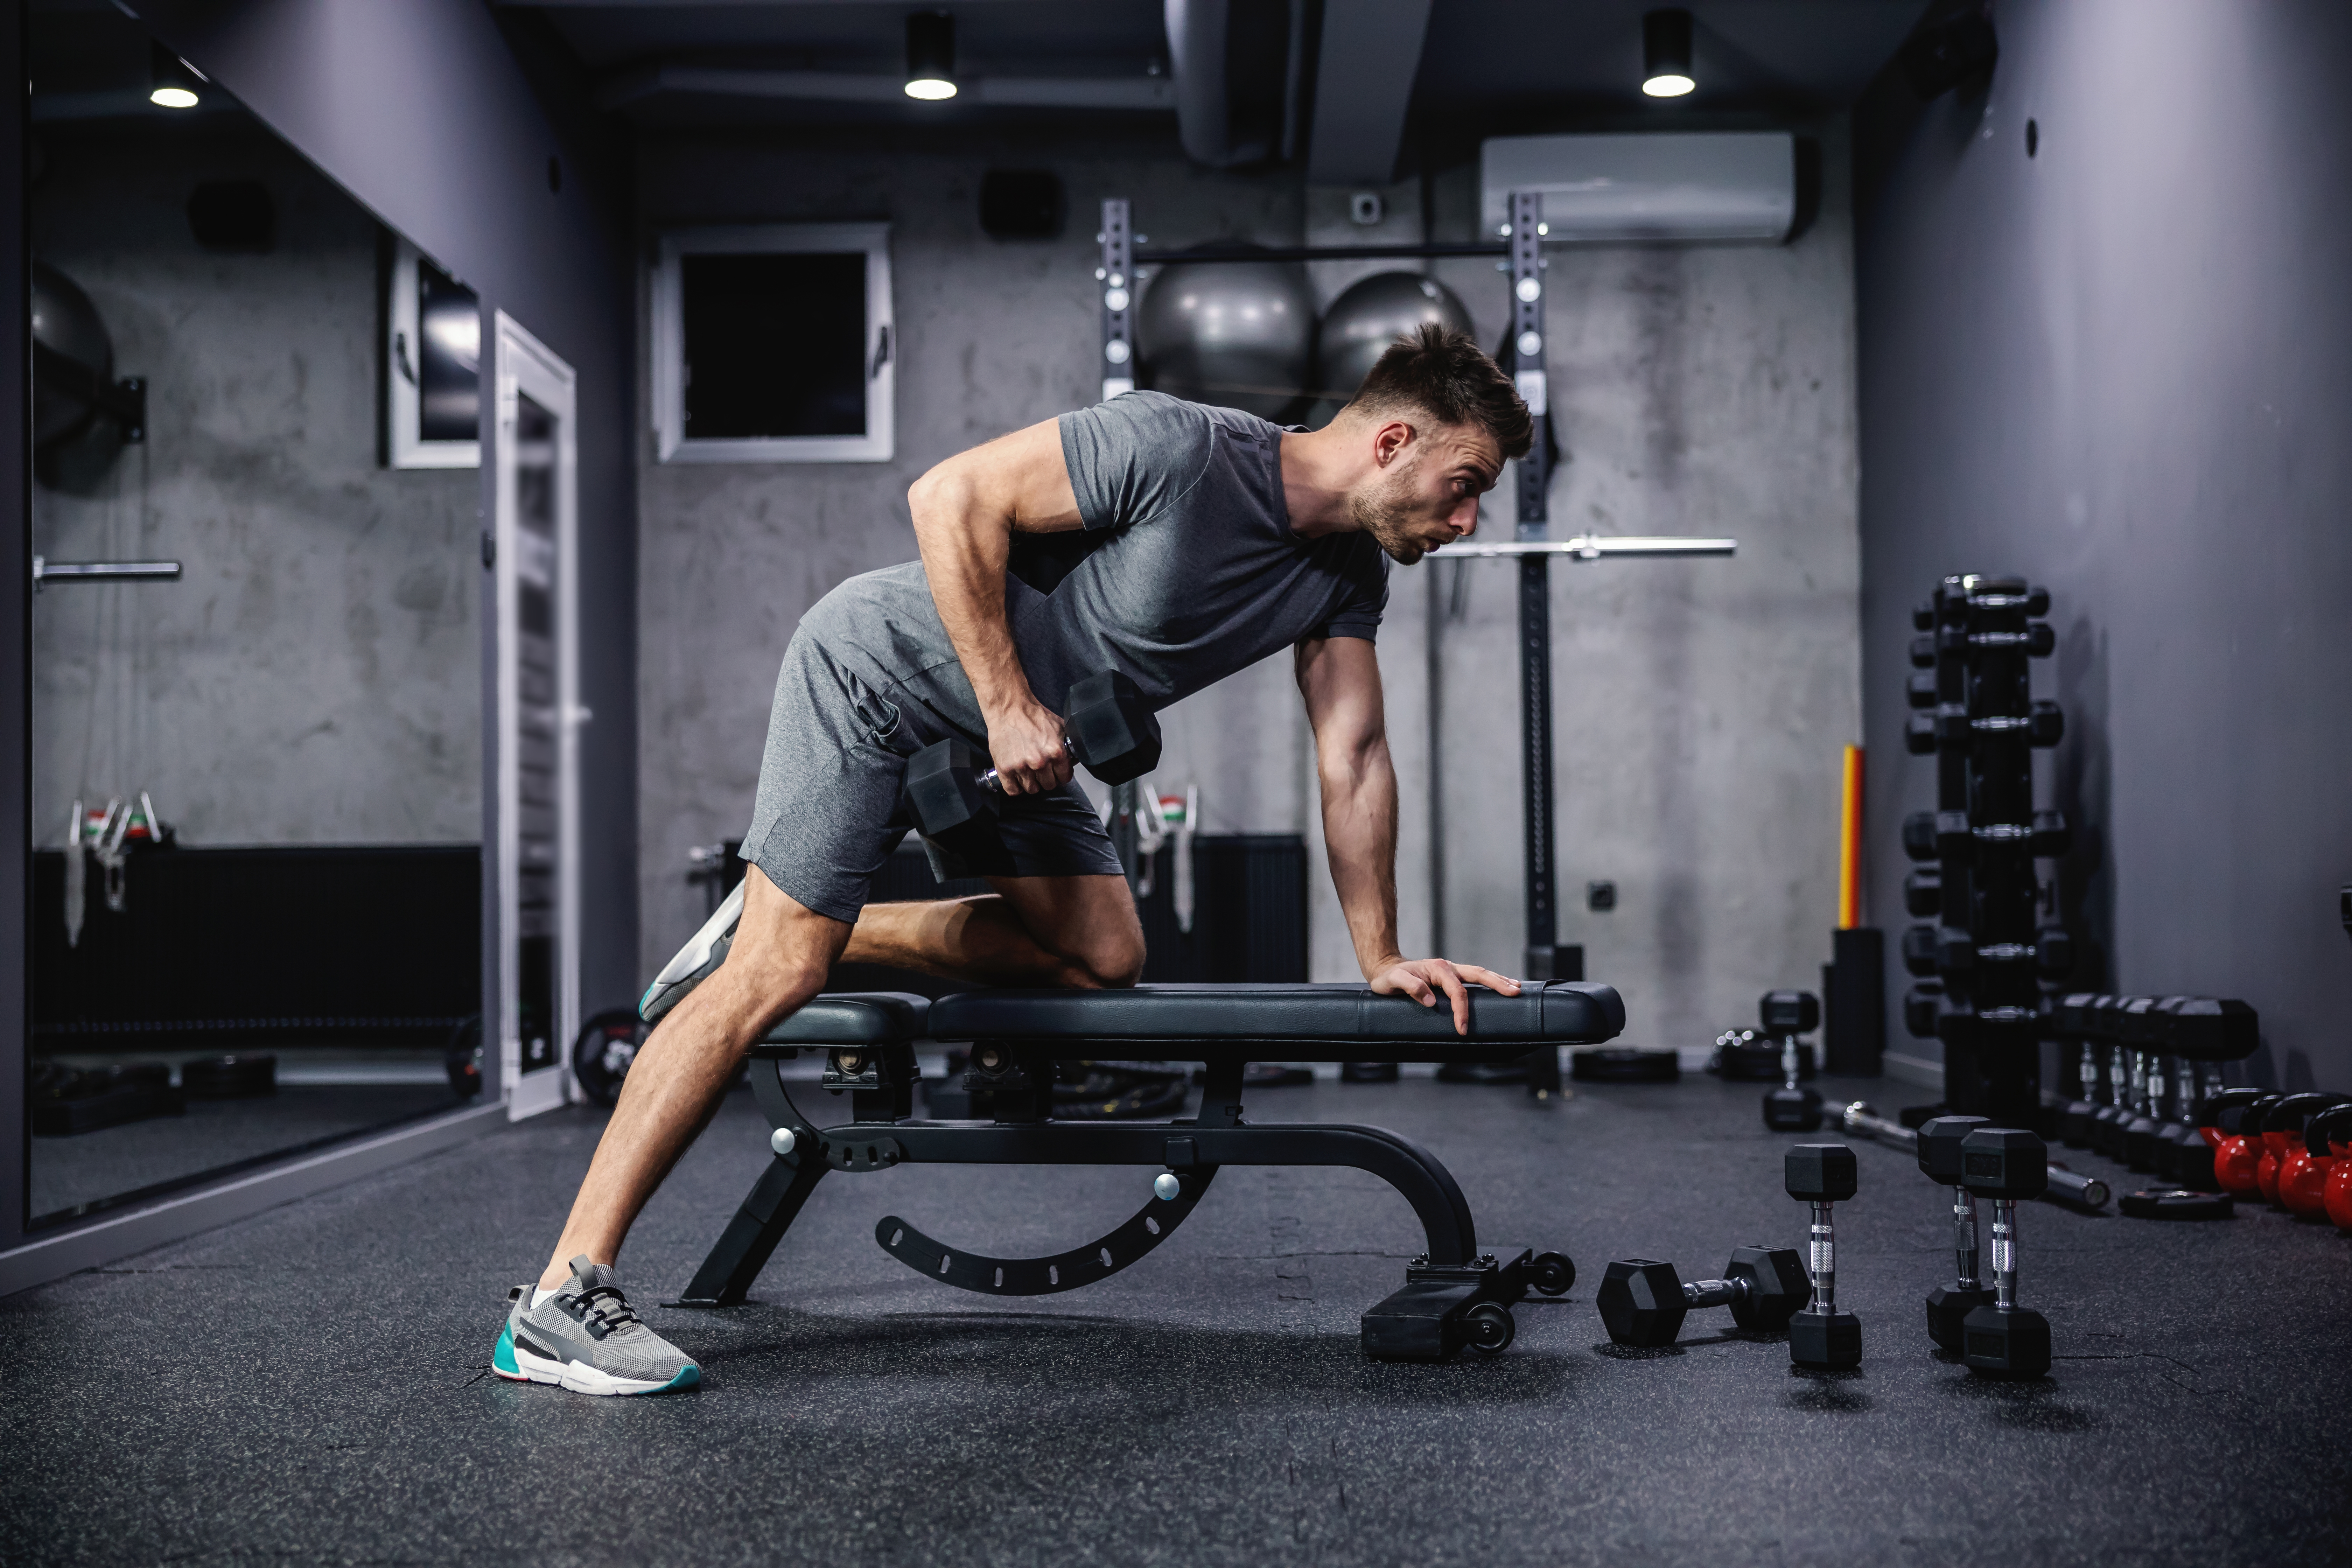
[(1592, 547)]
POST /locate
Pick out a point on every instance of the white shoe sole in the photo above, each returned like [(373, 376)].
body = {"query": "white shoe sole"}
[(580, 1378)]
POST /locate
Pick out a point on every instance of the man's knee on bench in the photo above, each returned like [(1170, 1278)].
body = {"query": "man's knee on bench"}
[(1109, 961)]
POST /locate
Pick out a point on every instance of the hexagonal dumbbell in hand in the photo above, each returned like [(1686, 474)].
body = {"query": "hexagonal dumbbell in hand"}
[(1643, 1302), (2004, 1340), (951, 794), (1822, 1337), (1940, 1162)]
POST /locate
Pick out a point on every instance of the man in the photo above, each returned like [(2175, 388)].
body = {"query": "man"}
[(1215, 539)]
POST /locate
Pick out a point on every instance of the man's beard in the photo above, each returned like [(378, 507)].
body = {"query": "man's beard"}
[(1386, 512)]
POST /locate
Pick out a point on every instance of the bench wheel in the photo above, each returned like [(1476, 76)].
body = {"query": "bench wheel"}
[(1489, 1328), (1551, 1273)]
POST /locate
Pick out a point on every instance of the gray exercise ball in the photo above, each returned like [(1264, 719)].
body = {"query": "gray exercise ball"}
[(68, 325), (1371, 314), (1238, 334)]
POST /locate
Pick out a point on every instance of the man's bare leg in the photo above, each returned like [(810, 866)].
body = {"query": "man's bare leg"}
[(782, 952), (1080, 931)]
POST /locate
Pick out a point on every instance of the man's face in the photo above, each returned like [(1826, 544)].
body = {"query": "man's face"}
[(1425, 492)]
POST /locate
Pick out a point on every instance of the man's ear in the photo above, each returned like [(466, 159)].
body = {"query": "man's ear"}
[(1390, 440)]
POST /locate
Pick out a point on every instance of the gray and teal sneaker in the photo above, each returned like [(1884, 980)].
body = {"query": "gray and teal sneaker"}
[(695, 960), (585, 1338)]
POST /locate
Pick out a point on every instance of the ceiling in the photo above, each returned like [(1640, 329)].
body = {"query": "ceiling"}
[(1484, 64), (1098, 67)]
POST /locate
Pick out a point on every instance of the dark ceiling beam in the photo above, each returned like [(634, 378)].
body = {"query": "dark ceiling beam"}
[(1364, 73), (706, 5), (1146, 93)]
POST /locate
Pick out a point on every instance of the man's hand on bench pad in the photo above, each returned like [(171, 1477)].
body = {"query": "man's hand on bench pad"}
[(1423, 978)]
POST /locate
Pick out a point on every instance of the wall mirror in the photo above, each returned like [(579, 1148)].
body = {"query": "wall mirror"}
[(256, 644)]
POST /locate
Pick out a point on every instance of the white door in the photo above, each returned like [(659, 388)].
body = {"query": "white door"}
[(539, 718)]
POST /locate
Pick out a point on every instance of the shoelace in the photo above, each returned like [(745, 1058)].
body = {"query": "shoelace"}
[(608, 1307)]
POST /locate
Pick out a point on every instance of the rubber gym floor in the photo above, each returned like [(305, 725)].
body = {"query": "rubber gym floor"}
[(311, 1384)]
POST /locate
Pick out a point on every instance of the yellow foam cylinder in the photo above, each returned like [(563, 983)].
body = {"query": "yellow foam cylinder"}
[(1849, 844)]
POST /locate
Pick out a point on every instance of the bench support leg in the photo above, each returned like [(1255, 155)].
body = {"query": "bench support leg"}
[(743, 1248), (1453, 1297)]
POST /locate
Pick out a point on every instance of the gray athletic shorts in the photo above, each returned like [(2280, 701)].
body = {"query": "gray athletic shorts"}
[(828, 807)]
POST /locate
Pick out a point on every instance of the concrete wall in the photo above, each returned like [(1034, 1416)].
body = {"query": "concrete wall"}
[(1699, 706), (1704, 392), (2121, 366), (993, 335), (314, 678)]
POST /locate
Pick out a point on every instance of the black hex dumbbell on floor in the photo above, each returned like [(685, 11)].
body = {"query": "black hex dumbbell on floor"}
[(1643, 1302), (1940, 1161), (1820, 1336), (2005, 1339), (952, 794), (1791, 1107)]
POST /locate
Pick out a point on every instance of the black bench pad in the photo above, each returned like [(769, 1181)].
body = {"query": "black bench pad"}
[(1306, 1022)]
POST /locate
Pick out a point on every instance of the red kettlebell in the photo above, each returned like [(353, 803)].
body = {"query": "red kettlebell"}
[(2328, 1137), (2281, 1168), (2238, 1152)]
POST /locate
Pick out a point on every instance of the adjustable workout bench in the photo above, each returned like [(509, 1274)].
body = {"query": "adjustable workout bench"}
[(1453, 1295)]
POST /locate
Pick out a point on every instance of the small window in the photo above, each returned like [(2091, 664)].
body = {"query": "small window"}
[(773, 344), (432, 355)]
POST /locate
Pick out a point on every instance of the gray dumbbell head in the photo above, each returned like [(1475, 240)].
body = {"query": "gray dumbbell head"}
[(1112, 731), (1820, 1173), (2004, 1163), (1939, 1147), (1641, 1302), (1777, 1288)]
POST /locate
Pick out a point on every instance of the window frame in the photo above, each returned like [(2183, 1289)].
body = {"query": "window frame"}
[(402, 397), (672, 445)]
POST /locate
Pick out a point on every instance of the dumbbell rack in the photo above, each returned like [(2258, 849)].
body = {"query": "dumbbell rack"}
[(1981, 965)]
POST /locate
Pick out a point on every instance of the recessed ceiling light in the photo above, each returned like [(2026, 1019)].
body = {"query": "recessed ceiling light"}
[(931, 56), (1666, 54), (175, 79)]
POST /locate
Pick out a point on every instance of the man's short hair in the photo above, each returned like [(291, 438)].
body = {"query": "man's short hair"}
[(1450, 378)]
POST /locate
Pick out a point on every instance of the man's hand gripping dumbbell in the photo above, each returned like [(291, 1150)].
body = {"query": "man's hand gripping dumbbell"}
[(953, 793)]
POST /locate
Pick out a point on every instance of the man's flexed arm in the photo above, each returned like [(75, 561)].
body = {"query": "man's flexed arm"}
[(966, 511), (1340, 680)]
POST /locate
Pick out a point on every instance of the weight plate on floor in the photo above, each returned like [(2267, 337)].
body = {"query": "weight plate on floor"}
[(229, 1078), (2176, 1202), (1615, 1066), (604, 1051)]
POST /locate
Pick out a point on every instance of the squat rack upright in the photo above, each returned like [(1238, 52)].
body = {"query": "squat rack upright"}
[(1520, 251)]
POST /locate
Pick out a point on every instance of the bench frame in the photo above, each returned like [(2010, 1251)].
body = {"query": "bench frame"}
[(1455, 1296)]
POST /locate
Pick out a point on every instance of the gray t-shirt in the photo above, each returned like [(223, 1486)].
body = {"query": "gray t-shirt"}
[(1187, 570)]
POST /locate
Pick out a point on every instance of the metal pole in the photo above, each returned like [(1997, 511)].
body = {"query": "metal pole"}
[(1117, 278), (1527, 352), (1527, 355)]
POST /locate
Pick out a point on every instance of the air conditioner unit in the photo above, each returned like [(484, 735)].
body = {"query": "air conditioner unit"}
[(1669, 187)]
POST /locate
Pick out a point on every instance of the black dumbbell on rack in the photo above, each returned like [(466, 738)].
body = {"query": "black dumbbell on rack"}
[(2004, 1340), (1822, 1337), (953, 793), (1791, 1106), (1983, 954), (1643, 1302), (2200, 1033)]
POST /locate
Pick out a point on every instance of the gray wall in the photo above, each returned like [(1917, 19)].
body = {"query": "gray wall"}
[(315, 676), (992, 336), (1701, 704), (1699, 707), (2121, 366)]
